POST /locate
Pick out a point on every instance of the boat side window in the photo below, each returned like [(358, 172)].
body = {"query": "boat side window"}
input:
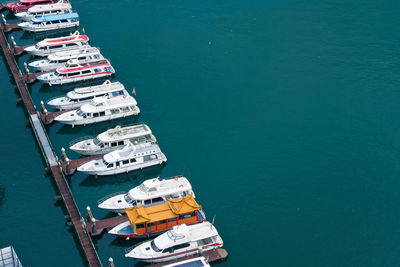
[(172, 220), (133, 107), (125, 162), (125, 109), (72, 74), (63, 21), (81, 58), (168, 250), (110, 165), (140, 225), (120, 143), (132, 160), (97, 70), (152, 189), (113, 144), (95, 115), (147, 202), (103, 113), (154, 247), (56, 46), (115, 111), (161, 222), (117, 163), (86, 98), (70, 44), (189, 215), (86, 71), (181, 246), (157, 200)]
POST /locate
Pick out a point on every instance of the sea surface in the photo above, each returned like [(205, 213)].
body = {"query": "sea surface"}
[(284, 115)]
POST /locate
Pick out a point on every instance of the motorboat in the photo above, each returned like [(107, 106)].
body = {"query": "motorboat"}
[(130, 158), (24, 5), (181, 241), (73, 71), (83, 95), (155, 220), (193, 262), (151, 192), (51, 22), (100, 109), (52, 45), (60, 7), (113, 139), (85, 55)]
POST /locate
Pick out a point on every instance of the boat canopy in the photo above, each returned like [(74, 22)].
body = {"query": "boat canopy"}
[(65, 16), (171, 209)]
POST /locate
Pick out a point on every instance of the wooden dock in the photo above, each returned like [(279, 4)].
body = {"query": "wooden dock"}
[(214, 255), (50, 157)]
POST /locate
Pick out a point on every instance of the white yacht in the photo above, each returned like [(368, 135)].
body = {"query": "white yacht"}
[(87, 54), (150, 192), (52, 45), (60, 7), (100, 109), (195, 262), (83, 95), (129, 158), (182, 240), (53, 22), (113, 139), (73, 71)]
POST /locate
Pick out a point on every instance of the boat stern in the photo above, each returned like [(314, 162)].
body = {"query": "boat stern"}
[(58, 103)]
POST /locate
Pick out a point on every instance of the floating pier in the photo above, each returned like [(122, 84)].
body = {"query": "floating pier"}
[(96, 227), (49, 155), (214, 255)]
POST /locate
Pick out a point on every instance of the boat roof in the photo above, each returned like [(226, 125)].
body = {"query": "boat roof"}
[(101, 87), (122, 133), (73, 38), (185, 233), (45, 7), (104, 103), (171, 209), (57, 17), (155, 188), (75, 66), (85, 50), (129, 151)]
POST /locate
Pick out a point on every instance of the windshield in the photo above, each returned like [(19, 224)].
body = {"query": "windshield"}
[(97, 142), (143, 188), (154, 247), (127, 198), (105, 162), (79, 112)]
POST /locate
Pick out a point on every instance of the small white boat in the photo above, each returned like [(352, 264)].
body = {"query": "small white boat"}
[(60, 7), (80, 96), (100, 109), (130, 158), (150, 192), (182, 240), (72, 72), (85, 55), (49, 23), (52, 45), (195, 262), (113, 139)]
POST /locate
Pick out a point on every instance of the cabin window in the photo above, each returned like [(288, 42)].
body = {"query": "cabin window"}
[(86, 72), (63, 20), (120, 143), (110, 165), (70, 44), (154, 247), (125, 162), (103, 113), (72, 74), (185, 216), (181, 246), (161, 222), (172, 220), (147, 202), (168, 250), (141, 225), (56, 46), (117, 163), (132, 160), (97, 70), (113, 144), (125, 109), (132, 107), (95, 115), (81, 58), (157, 200), (151, 224), (115, 111)]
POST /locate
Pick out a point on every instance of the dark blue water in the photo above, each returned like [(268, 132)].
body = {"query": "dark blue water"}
[(283, 115)]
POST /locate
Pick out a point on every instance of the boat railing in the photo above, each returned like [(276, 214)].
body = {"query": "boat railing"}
[(101, 200), (80, 139)]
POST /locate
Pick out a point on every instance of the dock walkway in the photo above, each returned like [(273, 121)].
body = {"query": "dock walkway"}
[(50, 157)]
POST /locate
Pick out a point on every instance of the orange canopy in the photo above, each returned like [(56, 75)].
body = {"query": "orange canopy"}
[(171, 209)]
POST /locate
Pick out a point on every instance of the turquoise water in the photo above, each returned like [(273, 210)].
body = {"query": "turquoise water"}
[(283, 115)]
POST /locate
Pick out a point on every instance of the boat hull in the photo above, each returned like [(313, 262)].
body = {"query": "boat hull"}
[(32, 28), (77, 79)]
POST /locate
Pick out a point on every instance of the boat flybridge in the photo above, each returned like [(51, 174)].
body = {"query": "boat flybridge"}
[(100, 109), (130, 158), (87, 54), (83, 95), (73, 71), (24, 5), (51, 22), (52, 45), (151, 192), (154, 220), (114, 139), (181, 241), (60, 7)]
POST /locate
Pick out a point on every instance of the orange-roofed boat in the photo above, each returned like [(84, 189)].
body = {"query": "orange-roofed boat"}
[(144, 222)]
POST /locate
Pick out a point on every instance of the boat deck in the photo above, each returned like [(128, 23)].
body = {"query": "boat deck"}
[(211, 255), (50, 157)]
